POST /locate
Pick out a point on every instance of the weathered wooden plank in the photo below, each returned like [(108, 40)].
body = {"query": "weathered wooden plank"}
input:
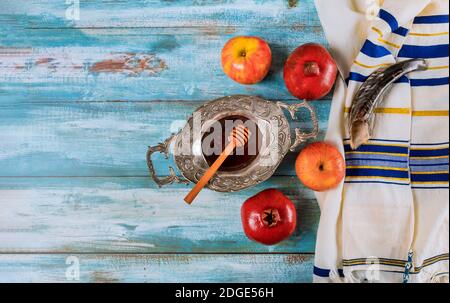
[(123, 215), (159, 50), (134, 64), (159, 13), (99, 138), (134, 268)]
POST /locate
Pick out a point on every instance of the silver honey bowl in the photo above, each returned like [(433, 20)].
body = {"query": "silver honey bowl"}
[(274, 142)]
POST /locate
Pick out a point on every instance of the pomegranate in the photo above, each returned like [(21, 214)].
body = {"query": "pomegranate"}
[(269, 217), (310, 72)]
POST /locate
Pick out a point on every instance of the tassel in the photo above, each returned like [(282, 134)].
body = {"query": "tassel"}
[(408, 267)]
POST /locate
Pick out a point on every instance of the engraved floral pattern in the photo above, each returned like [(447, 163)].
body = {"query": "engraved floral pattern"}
[(192, 166)]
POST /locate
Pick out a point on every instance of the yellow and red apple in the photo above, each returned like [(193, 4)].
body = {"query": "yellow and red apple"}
[(320, 166), (246, 59)]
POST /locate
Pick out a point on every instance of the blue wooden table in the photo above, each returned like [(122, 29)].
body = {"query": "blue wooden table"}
[(83, 92)]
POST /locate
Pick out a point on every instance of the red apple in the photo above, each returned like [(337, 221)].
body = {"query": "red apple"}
[(246, 60), (320, 166), (310, 72)]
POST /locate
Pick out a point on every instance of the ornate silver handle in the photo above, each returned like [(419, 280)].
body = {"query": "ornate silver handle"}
[(163, 148), (300, 136)]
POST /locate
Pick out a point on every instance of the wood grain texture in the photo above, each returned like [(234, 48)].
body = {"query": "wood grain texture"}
[(80, 101), (160, 13), (100, 138), (120, 215), (104, 268), (134, 64)]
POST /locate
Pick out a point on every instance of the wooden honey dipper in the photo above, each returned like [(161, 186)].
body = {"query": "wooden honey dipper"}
[(238, 137)]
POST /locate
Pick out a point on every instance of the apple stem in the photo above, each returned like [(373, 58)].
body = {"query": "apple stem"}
[(311, 68), (271, 217)]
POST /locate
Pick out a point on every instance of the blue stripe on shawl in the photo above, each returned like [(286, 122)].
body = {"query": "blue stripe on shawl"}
[(375, 162), (425, 52), (376, 182), (397, 162), (361, 78), (377, 157), (414, 82), (325, 273), (428, 162), (356, 77), (429, 82), (389, 19), (429, 153), (373, 50), (401, 31), (371, 172), (378, 148), (431, 19), (429, 168), (424, 187), (429, 178)]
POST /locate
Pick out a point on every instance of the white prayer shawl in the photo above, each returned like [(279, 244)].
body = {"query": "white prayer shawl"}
[(389, 219)]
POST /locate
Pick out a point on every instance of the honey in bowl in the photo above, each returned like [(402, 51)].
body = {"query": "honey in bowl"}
[(216, 139)]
